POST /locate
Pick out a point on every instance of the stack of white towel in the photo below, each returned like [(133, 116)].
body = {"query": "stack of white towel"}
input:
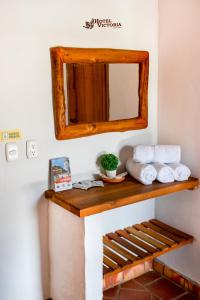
[(159, 162)]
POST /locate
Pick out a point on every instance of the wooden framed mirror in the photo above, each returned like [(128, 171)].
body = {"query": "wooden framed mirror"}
[(98, 90)]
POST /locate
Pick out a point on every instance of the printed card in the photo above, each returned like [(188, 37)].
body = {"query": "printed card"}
[(60, 174)]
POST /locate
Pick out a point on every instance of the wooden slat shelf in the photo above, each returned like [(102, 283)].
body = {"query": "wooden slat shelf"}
[(84, 203), (139, 243)]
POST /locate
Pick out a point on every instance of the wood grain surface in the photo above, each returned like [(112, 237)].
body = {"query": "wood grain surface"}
[(96, 200), (64, 55), (140, 235)]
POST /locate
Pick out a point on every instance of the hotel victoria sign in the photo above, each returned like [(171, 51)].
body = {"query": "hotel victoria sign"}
[(102, 23)]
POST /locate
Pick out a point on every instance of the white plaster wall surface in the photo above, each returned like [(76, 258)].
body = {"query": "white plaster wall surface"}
[(28, 29), (179, 106), (67, 256)]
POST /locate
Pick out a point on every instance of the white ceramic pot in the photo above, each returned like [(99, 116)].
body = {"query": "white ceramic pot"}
[(111, 174)]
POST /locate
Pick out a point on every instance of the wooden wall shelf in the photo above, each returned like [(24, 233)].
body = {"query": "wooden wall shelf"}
[(96, 200), (140, 243)]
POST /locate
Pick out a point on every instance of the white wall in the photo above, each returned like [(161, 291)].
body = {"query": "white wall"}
[(179, 106), (28, 29), (67, 255)]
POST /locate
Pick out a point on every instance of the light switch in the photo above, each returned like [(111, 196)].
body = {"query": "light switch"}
[(11, 151)]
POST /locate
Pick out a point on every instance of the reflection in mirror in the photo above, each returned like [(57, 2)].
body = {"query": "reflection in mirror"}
[(100, 92)]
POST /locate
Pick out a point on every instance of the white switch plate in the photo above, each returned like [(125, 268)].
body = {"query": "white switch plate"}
[(11, 151), (32, 149)]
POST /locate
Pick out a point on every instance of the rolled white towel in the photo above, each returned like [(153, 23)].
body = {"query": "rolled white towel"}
[(165, 174), (167, 154), (181, 171), (144, 173), (143, 154)]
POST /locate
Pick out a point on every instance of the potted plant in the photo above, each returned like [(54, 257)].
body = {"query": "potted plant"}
[(109, 162)]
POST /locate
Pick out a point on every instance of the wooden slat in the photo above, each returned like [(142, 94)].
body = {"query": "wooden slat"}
[(146, 238), (154, 234), (136, 241), (159, 239), (119, 249), (171, 229), (110, 263), (164, 232), (126, 244), (120, 261), (106, 270)]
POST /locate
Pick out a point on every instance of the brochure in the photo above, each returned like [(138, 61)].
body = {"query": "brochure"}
[(60, 174)]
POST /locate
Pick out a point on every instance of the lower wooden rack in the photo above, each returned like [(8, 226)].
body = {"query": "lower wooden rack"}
[(138, 243)]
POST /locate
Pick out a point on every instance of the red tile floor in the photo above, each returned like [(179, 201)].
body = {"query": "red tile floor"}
[(150, 286)]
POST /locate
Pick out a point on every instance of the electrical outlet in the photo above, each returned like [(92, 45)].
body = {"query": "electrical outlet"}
[(32, 149)]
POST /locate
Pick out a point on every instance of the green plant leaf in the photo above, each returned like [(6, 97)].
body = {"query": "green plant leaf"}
[(109, 162)]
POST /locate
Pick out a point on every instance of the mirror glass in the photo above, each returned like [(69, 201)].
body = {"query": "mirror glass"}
[(100, 92)]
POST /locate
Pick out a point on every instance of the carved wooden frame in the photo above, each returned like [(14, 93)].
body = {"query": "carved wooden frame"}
[(62, 55)]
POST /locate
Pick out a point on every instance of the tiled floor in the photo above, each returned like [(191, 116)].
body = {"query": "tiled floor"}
[(150, 286)]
